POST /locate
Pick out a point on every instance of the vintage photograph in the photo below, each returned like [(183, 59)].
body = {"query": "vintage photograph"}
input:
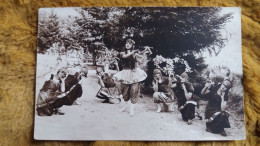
[(139, 73)]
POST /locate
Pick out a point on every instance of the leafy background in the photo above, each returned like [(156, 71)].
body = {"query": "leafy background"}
[(18, 37)]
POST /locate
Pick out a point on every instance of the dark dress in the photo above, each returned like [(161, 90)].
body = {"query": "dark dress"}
[(217, 120), (47, 96), (74, 89), (187, 108)]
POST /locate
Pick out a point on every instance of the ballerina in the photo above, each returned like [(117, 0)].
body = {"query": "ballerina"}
[(130, 76)]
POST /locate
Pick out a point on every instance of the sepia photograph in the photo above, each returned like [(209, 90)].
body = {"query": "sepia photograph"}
[(139, 74)]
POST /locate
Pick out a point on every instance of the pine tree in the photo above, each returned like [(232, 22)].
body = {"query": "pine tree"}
[(48, 30)]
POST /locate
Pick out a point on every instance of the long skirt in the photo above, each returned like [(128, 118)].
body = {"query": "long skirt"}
[(188, 112), (219, 122)]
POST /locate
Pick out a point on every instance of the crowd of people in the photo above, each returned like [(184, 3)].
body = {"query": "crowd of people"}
[(120, 79)]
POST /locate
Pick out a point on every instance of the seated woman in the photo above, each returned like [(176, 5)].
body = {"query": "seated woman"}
[(108, 91), (73, 90), (51, 89), (215, 114), (163, 92), (187, 101)]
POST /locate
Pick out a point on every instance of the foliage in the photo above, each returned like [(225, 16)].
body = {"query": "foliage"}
[(171, 32), (48, 30)]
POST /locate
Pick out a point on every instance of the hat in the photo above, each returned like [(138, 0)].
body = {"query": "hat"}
[(157, 71)]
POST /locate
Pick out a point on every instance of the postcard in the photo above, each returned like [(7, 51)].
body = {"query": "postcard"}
[(139, 74)]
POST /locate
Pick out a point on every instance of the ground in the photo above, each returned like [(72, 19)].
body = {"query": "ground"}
[(94, 120)]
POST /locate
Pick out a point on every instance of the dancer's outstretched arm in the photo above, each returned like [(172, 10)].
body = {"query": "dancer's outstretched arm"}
[(129, 54)]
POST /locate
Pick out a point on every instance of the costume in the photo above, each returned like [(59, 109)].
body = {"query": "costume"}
[(47, 96), (73, 90), (216, 119), (110, 92), (186, 107), (164, 89), (130, 77), (130, 73)]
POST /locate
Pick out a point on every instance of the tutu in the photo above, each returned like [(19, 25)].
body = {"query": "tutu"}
[(130, 76)]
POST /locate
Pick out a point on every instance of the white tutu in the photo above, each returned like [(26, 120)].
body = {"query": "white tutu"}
[(130, 76)]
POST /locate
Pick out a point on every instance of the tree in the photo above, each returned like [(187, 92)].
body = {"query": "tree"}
[(48, 30), (169, 30), (173, 31)]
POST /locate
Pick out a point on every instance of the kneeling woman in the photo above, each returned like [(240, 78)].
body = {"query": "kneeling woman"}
[(108, 91), (187, 101), (163, 92), (52, 88), (216, 116), (73, 90)]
